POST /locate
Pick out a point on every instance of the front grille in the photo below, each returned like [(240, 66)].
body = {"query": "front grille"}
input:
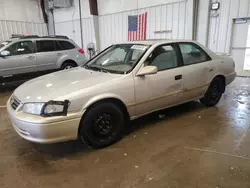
[(14, 102)]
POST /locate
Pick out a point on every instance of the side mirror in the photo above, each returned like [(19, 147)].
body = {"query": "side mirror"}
[(147, 70), (4, 53)]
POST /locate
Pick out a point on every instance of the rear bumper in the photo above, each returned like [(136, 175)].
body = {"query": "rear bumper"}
[(230, 78)]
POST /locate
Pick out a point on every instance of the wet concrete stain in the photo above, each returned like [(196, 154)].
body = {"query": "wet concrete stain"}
[(185, 146)]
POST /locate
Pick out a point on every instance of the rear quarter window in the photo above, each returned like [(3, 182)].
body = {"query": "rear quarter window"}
[(65, 45)]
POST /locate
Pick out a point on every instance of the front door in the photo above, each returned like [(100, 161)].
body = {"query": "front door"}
[(21, 60), (154, 92)]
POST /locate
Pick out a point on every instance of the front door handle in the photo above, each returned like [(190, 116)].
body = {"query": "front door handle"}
[(178, 77), (31, 57)]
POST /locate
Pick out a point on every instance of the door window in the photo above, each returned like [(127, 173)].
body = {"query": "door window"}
[(163, 57), (21, 48), (64, 45), (192, 54), (45, 46)]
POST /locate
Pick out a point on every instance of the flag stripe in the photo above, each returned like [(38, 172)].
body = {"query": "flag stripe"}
[(139, 29), (143, 19), (145, 26)]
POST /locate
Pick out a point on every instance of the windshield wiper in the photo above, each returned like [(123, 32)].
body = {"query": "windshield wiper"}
[(94, 68)]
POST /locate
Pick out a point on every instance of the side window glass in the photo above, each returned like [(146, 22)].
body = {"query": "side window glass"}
[(64, 45), (191, 54), (45, 46), (21, 48), (163, 57)]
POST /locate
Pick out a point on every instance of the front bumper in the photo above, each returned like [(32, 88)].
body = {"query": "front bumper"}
[(45, 130)]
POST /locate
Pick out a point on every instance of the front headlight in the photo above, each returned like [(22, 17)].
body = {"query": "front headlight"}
[(55, 108), (33, 108)]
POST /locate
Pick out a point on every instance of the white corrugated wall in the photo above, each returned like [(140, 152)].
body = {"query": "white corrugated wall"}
[(21, 17), (220, 27), (7, 28), (172, 16), (67, 22), (72, 30)]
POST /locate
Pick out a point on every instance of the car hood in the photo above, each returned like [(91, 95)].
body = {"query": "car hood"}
[(61, 85)]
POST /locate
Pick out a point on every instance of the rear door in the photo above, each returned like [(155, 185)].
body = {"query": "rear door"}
[(46, 54), (197, 68), (21, 60)]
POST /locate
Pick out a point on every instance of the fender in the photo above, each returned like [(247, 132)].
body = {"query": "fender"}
[(101, 97)]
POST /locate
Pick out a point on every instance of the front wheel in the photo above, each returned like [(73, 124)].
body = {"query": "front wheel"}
[(102, 125), (214, 93)]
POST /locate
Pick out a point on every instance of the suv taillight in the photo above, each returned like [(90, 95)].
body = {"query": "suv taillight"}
[(81, 51)]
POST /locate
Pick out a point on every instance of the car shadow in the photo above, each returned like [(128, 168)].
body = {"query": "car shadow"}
[(66, 149), (9, 87), (163, 115)]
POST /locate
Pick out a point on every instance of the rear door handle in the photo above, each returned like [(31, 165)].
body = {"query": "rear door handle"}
[(59, 54), (178, 77)]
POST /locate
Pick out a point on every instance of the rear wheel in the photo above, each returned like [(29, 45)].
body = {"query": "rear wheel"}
[(68, 65), (102, 125), (214, 93)]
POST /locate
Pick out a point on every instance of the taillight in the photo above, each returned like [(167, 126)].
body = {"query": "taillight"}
[(81, 51)]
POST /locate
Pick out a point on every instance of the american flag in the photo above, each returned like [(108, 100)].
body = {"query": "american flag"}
[(137, 27)]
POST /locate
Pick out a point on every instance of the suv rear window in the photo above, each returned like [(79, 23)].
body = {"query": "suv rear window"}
[(65, 45), (45, 46)]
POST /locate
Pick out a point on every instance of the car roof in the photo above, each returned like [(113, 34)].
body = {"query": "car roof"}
[(155, 41)]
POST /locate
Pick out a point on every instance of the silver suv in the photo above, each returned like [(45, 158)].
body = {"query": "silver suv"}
[(25, 57)]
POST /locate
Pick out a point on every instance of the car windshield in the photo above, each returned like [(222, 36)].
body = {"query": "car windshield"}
[(119, 58), (4, 43)]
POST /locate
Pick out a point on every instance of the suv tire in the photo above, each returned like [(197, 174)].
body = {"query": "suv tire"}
[(68, 65), (102, 125), (214, 93)]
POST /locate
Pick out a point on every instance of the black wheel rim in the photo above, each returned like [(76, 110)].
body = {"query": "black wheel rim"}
[(103, 126), (215, 92)]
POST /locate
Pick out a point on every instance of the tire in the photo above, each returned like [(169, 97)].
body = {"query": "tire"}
[(214, 93), (68, 65), (102, 125)]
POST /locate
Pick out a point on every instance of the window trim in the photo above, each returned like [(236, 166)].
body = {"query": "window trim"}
[(10, 44), (198, 47), (175, 47)]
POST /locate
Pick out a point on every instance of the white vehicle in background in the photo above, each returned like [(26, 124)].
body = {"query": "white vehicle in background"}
[(25, 57), (124, 82)]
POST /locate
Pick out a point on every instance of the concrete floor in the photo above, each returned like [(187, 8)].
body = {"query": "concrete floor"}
[(191, 146)]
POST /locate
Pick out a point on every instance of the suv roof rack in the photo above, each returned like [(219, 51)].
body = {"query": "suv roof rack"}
[(36, 36), (23, 36), (56, 36)]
